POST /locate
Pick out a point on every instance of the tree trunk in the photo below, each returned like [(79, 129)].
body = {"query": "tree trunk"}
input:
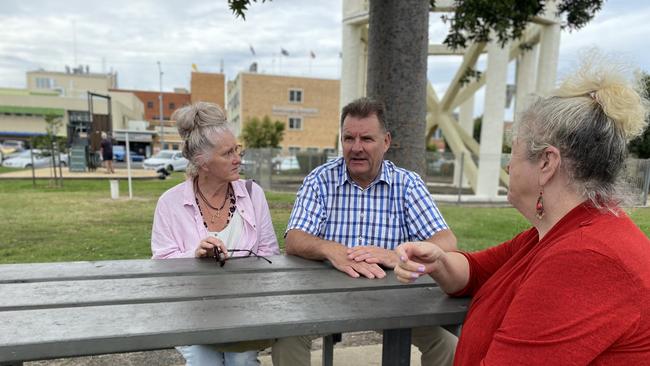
[(397, 74)]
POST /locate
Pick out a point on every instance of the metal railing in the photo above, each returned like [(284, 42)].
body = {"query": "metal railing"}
[(444, 173)]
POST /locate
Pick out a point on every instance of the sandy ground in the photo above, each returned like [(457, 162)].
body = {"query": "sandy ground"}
[(46, 173)]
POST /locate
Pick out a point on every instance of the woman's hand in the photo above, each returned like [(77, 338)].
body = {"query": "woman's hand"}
[(207, 245), (417, 259)]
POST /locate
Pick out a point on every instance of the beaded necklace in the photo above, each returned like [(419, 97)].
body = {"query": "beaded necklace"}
[(230, 196)]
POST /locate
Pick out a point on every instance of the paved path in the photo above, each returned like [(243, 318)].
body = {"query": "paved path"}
[(343, 356), (46, 173)]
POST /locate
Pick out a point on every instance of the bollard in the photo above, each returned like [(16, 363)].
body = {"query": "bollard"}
[(115, 188)]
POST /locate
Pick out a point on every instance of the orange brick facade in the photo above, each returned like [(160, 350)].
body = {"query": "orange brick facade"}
[(208, 87), (171, 102)]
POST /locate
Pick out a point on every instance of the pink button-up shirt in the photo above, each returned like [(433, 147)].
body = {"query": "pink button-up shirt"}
[(178, 226)]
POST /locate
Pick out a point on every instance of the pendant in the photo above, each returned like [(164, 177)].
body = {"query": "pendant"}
[(215, 216)]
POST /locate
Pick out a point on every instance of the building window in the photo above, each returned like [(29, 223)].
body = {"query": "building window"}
[(233, 102), (44, 83), (150, 104), (295, 96), (294, 150), (174, 146), (295, 123), (312, 150), (330, 152), (172, 106)]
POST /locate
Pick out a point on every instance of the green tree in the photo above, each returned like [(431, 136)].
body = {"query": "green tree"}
[(258, 134), (394, 68), (53, 124), (640, 147)]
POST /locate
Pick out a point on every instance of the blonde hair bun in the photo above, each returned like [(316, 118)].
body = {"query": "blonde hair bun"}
[(622, 101)]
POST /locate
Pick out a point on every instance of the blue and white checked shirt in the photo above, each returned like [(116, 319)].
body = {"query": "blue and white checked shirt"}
[(395, 208)]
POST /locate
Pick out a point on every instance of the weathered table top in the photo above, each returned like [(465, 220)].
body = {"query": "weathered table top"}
[(53, 310)]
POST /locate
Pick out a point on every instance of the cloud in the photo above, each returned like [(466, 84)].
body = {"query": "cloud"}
[(623, 34), (131, 36)]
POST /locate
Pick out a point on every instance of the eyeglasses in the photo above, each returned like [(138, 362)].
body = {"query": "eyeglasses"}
[(221, 258), (235, 151)]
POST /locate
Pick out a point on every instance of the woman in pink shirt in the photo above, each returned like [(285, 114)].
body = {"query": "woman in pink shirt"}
[(575, 288), (213, 211)]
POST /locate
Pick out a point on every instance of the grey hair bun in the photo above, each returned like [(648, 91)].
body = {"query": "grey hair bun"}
[(197, 116)]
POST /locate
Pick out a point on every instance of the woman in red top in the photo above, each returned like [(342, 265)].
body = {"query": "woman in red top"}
[(575, 288)]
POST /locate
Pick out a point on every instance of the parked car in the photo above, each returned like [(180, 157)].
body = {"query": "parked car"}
[(11, 146), (247, 167), (171, 160), (119, 154), (441, 166), (40, 159), (286, 163)]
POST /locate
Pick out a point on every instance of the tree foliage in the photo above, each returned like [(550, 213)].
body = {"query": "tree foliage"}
[(258, 134), (239, 7), (640, 147), (473, 20), (51, 139)]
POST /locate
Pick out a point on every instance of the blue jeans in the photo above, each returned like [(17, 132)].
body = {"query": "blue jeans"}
[(199, 355)]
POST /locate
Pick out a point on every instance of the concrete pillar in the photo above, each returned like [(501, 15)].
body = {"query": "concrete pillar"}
[(526, 80), (352, 61), (492, 126), (549, 51), (466, 121)]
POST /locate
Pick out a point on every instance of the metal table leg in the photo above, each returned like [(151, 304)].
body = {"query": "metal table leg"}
[(396, 348)]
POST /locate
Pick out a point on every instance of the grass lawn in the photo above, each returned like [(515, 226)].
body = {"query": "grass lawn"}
[(81, 222)]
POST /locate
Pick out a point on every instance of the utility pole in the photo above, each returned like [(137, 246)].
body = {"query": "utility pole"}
[(160, 116)]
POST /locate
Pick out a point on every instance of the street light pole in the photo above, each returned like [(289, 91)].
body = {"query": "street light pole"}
[(160, 116)]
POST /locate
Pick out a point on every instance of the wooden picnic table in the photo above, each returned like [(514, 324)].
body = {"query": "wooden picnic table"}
[(54, 310)]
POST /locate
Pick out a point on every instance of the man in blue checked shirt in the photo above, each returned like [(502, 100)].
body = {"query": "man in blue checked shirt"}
[(355, 210)]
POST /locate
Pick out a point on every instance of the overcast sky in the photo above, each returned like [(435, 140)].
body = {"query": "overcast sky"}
[(130, 36)]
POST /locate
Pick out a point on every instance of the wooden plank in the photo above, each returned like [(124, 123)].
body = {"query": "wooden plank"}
[(51, 333), (34, 295), (35, 272)]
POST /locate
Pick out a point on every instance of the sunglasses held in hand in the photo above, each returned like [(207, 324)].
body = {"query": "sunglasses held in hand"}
[(221, 257)]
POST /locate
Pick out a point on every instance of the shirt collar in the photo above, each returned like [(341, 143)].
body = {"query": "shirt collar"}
[(188, 193), (385, 174), (582, 215)]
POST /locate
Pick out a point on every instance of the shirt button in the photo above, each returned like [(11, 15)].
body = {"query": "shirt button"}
[(363, 214)]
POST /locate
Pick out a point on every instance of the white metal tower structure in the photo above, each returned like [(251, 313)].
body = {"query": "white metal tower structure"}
[(536, 56)]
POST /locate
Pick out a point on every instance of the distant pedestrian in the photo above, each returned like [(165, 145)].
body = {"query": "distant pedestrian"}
[(107, 153)]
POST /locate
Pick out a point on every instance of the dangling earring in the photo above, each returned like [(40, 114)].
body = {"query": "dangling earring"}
[(539, 206)]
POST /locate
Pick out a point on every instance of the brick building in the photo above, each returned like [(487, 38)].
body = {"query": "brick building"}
[(208, 87), (309, 108)]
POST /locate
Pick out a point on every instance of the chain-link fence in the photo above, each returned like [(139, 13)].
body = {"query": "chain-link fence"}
[(636, 181), (446, 174)]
